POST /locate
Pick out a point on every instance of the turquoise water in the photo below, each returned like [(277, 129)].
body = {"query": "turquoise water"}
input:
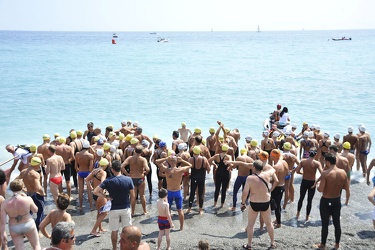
[(54, 81)]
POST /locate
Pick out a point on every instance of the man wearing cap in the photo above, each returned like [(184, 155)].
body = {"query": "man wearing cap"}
[(43, 149), (292, 160), (352, 139), (76, 147), (31, 179), (364, 146), (336, 141), (55, 164), (267, 144), (191, 140), (66, 152), (243, 172), (121, 192), (56, 140), (204, 150), (309, 166), (323, 148), (305, 127), (317, 134), (211, 140), (174, 177), (351, 158), (138, 134), (138, 168), (83, 165), (253, 151), (184, 132), (332, 181)]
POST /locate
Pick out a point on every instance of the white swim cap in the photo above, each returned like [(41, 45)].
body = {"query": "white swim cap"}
[(317, 127), (337, 136), (362, 128), (182, 146), (266, 133), (112, 149), (326, 134), (100, 152), (248, 138), (350, 129)]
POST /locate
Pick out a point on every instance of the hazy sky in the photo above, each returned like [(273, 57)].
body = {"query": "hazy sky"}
[(182, 15)]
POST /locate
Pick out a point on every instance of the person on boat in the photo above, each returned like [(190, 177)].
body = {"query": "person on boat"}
[(284, 118), (275, 115)]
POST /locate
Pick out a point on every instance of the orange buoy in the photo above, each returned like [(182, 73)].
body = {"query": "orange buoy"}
[(113, 41)]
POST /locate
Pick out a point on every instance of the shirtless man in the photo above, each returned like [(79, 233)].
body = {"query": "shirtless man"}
[(191, 140), (364, 146), (138, 170), (259, 202), (372, 163), (253, 151), (351, 157), (43, 149), (174, 178), (204, 150), (184, 132), (77, 147), (55, 164), (341, 162), (275, 115), (138, 134), (267, 144), (66, 152), (33, 152), (83, 165), (309, 166), (317, 134), (292, 161), (211, 140), (176, 141), (352, 139), (332, 181), (243, 173), (184, 154), (235, 134), (282, 170), (31, 178)]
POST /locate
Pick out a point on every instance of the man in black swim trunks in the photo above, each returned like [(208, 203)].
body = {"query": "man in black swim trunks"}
[(259, 201)]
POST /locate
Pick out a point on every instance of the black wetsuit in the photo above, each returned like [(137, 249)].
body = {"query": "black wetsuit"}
[(330, 207), (306, 187), (197, 179), (222, 178), (277, 195)]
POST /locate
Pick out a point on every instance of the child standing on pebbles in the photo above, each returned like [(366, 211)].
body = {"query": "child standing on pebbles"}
[(164, 219)]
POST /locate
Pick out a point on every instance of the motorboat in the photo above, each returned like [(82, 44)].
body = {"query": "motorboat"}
[(162, 40), (267, 125), (342, 38), (152, 33), (115, 35)]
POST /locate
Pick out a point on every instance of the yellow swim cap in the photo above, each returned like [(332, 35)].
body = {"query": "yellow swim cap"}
[(212, 130), (254, 143), (204, 142), (79, 132), (56, 135), (155, 136), (183, 124), (96, 138), (46, 136), (197, 130), (121, 136), (243, 151), (197, 150), (110, 126), (221, 138), (62, 139), (103, 162), (35, 161), (129, 137), (287, 146), (111, 134), (33, 148), (134, 141), (73, 134), (227, 130), (346, 145), (171, 152), (225, 147), (106, 146)]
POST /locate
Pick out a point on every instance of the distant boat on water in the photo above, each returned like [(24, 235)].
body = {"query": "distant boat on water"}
[(162, 40), (114, 35), (152, 33), (342, 38), (258, 29)]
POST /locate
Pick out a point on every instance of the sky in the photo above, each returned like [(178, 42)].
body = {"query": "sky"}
[(182, 15)]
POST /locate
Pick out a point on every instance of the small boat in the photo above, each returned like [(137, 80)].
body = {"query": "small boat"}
[(162, 40), (267, 126), (152, 33), (342, 38), (115, 35)]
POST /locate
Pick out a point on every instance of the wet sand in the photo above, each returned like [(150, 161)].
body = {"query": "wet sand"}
[(224, 229)]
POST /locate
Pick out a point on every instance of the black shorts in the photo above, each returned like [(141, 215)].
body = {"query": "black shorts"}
[(67, 172)]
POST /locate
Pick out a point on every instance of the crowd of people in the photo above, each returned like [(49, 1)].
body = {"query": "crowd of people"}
[(116, 165)]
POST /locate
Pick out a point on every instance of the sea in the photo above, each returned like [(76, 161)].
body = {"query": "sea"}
[(56, 81)]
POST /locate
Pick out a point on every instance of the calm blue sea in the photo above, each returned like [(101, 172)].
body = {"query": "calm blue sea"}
[(55, 81)]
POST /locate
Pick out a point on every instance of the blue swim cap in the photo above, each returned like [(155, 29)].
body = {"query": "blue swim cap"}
[(162, 144), (100, 142)]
